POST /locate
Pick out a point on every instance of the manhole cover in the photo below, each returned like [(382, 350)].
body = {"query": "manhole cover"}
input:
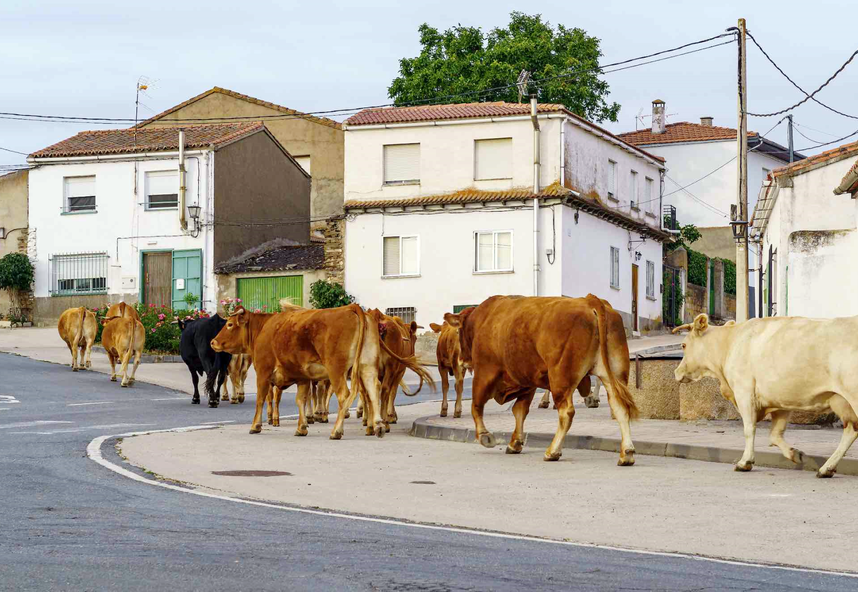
[(252, 473), (423, 482)]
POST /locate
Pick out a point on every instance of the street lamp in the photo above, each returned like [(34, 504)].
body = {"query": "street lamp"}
[(194, 213)]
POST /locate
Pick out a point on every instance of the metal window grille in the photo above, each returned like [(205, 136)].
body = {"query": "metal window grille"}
[(82, 273), (406, 313), (650, 279)]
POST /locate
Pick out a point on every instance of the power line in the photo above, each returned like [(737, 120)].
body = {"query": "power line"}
[(807, 96), (13, 151), (837, 141)]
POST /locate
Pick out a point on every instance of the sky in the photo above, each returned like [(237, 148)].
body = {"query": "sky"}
[(84, 58)]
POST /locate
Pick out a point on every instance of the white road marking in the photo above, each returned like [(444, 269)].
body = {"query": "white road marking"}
[(218, 422), (5, 409), (29, 424), (87, 428), (90, 403), (173, 399), (93, 451), (8, 399)]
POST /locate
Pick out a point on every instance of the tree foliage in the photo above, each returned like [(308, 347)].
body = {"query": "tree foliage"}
[(466, 60), (325, 294), (729, 276), (697, 265), (16, 272)]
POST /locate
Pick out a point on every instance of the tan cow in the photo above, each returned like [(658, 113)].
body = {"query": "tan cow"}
[(300, 346), (239, 365), (777, 365), (115, 310), (78, 328), (122, 337), (450, 363), (516, 345)]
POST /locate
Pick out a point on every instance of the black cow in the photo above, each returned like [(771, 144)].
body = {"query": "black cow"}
[(198, 354)]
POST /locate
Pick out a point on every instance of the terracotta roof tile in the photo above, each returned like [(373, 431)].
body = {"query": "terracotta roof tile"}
[(841, 151), (154, 139), (681, 132), (450, 111), (249, 99)]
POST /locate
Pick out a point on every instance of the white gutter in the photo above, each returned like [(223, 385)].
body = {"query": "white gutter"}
[(182, 221), (536, 164), (113, 157)]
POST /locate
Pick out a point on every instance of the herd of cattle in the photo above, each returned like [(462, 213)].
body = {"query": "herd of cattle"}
[(513, 346)]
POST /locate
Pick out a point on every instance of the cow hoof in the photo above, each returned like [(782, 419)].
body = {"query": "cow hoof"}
[(270, 421), (194, 401), (74, 369), (511, 450), (325, 419), (627, 459), (796, 456), (311, 419), (88, 365), (386, 427), (112, 379), (124, 384), (591, 402), (369, 431), (827, 474), (743, 468), (364, 422), (336, 435), (457, 414), (241, 398), (379, 431), (276, 423), (233, 401), (393, 420), (224, 397), (488, 440), (349, 414), (255, 429), (543, 405), (301, 431), (213, 403), (551, 456), (443, 412), (359, 414)]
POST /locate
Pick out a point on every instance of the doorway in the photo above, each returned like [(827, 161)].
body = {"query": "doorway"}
[(158, 278), (635, 297)]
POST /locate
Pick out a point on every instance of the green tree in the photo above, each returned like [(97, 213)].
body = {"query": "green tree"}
[(465, 60), (16, 276)]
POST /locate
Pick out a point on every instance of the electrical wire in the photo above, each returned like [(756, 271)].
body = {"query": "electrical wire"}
[(807, 97), (13, 151)]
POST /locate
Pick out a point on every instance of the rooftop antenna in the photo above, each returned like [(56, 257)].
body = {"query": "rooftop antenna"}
[(523, 80)]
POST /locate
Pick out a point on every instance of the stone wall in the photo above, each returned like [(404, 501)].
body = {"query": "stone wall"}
[(695, 302), (335, 255)]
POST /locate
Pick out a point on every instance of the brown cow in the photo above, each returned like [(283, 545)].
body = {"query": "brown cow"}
[(449, 354), (115, 310), (300, 346), (516, 345), (237, 371), (78, 327), (122, 337)]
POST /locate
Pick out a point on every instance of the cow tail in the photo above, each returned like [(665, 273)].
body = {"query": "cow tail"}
[(620, 390), (405, 388), (411, 363), (79, 337), (356, 378)]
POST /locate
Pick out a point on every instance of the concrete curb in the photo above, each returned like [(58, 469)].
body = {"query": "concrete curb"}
[(422, 428), (147, 358)]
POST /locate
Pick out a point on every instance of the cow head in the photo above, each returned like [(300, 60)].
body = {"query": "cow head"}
[(466, 332), (694, 364), (233, 337)]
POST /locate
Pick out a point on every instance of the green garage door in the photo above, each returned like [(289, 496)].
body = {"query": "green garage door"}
[(265, 293)]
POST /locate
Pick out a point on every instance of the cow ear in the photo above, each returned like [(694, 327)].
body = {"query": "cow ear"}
[(452, 319), (435, 327), (701, 322), (414, 327)]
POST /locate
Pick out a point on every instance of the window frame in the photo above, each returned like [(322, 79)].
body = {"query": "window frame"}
[(650, 280), (494, 233), (511, 159), (400, 274), (649, 186), (634, 200), (67, 209), (146, 204), (612, 179), (615, 286), (80, 264), (399, 182)]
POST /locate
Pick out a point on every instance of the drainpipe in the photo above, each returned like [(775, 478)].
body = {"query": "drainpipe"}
[(535, 193), (182, 221)]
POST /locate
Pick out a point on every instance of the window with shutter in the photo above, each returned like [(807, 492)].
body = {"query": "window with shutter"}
[(633, 190), (304, 161), (649, 196), (79, 194), (401, 256), (615, 267), (493, 159), (401, 164), (493, 251), (612, 179), (650, 280), (162, 190)]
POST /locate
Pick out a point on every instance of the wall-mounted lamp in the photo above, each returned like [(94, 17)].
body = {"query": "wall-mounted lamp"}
[(638, 255), (194, 213)]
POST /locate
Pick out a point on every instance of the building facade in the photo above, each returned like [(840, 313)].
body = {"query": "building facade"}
[(444, 209), (14, 232)]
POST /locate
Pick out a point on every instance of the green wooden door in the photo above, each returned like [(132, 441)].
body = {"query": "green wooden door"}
[(187, 277), (265, 293)]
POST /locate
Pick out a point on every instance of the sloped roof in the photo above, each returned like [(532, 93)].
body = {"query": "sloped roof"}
[(682, 131), (449, 111), (278, 258), (155, 139), (230, 93), (849, 183), (841, 152)]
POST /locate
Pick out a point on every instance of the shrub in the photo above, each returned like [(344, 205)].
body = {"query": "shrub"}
[(729, 276), (325, 294), (160, 324), (16, 276), (696, 268)]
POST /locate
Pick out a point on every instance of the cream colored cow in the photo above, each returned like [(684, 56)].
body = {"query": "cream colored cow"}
[(778, 365)]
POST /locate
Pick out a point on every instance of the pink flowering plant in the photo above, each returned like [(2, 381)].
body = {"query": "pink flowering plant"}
[(229, 305)]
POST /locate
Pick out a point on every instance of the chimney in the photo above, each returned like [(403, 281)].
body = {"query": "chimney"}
[(706, 121), (658, 116)]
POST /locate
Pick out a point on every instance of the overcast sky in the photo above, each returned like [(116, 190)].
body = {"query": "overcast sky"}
[(84, 58)]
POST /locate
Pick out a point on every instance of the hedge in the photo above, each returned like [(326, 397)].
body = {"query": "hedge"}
[(729, 276), (697, 268)]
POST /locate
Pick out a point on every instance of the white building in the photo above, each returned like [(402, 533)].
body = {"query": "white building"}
[(806, 224), (442, 211), (117, 219)]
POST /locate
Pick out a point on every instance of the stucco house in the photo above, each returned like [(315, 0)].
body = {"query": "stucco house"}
[(146, 214), (445, 208), (316, 143), (14, 231), (805, 222)]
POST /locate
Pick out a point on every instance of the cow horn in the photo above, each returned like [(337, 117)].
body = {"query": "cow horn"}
[(685, 327)]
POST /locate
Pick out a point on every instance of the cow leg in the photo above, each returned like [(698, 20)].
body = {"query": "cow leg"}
[(367, 411), (126, 357), (546, 395), (591, 398), (565, 414), (195, 378), (460, 386), (137, 355), (341, 388), (225, 395), (308, 402), (621, 413), (322, 400), (209, 385), (112, 360), (73, 349), (360, 408), (520, 410), (445, 386), (776, 437), (301, 401), (484, 385), (850, 432), (263, 393), (276, 396), (745, 404), (270, 402)]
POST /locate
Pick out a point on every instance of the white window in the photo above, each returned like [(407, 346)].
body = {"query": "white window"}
[(633, 190), (79, 194), (615, 268), (401, 256), (612, 179), (83, 273), (493, 250), (304, 161), (493, 159), (650, 280), (162, 190), (406, 313), (649, 197), (401, 164)]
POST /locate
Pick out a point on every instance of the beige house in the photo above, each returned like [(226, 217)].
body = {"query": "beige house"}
[(13, 220), (316, 143)]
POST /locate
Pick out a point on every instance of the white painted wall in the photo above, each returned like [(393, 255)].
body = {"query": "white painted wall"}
[(822, 281), (120, 213)]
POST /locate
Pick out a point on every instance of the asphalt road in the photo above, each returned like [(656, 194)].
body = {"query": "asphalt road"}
[(67, 523)]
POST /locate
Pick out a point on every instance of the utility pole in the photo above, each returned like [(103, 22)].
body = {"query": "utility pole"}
[(789, 138), (740, 227)]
